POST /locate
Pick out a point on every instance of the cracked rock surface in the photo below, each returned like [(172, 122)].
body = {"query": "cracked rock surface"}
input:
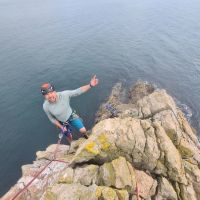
[(147, 145)]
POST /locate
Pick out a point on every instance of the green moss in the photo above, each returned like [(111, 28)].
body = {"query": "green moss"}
[(160, 166), (111, 172), (122, 194), (185, 152), (107, 175), (171, 134)]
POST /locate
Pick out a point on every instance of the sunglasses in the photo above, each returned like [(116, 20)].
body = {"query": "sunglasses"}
[(47, 90)]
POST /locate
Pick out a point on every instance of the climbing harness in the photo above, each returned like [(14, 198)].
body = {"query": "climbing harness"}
[(73, 116), (111, 109), (68, 132), (53, 160)]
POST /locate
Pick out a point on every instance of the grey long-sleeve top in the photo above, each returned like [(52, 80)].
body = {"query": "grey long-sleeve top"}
[(61, 110)]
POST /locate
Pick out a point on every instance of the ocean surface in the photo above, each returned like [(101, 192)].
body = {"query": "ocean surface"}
[(67, 41)]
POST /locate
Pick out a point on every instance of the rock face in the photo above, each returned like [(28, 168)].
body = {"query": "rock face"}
[(142, 149)]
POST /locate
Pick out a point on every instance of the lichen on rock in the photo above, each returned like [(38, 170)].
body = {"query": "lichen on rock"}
[(146, 146)]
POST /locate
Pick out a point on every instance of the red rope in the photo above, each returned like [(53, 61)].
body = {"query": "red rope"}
[(31, 181), (61, 161), (59, 141), (26, 186)]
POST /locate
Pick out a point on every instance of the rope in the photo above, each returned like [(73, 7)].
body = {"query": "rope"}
[(113, 112), (30, 182), (137, 191)]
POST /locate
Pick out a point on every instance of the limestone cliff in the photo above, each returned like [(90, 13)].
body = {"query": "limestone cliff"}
[(144, 143)]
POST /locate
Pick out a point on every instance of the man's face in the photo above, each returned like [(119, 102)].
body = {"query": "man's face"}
[(51, 97)]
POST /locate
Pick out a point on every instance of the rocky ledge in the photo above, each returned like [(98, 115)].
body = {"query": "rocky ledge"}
[(140, 148)]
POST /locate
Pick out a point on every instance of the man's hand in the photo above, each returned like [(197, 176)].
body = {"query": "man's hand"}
[(94, 81), (58, 124), (64, 129)]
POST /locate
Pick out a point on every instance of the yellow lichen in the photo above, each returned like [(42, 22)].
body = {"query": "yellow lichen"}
[(50, 196), (98, 192), (67, 180), (109, 194), (104, 142), (90, 147)]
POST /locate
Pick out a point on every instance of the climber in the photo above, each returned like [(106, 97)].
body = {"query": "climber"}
[(57, 106)]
